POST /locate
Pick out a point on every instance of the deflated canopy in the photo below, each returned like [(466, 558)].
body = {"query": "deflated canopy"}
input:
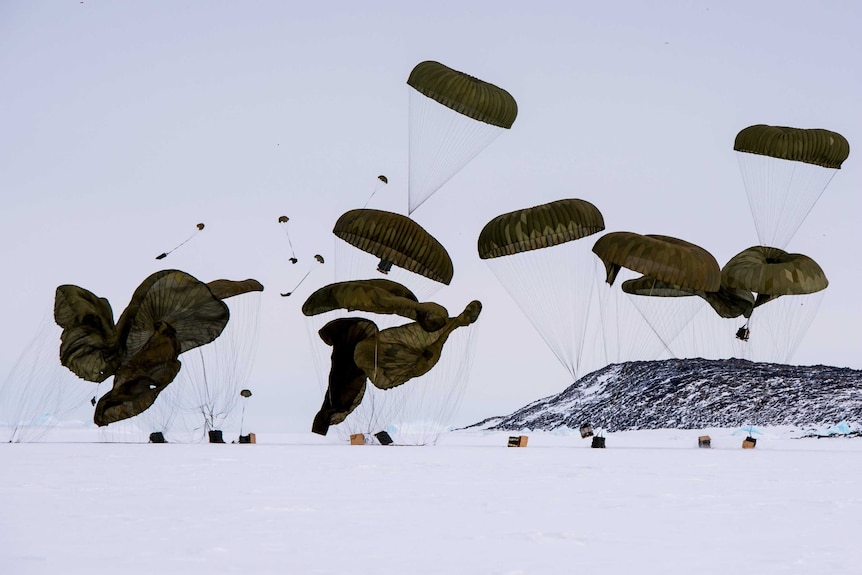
[(398, 354), (664, 258), (376, 296), (223, 289), (773, 272), (539, 227), (465, 94), (346, 380), (397, 239), (811, 146), (139, 380), (186, 304), (726, 302), (88, 344)]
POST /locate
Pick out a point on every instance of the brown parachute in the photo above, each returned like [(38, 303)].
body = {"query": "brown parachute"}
[(771, 272), (811, 146)]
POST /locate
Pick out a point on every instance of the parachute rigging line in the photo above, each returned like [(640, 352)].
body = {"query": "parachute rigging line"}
[(284, 220), (382, 181), (163, 255), (319, 259)]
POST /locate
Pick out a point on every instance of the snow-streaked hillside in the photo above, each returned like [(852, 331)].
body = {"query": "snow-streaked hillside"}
[(695, 394)]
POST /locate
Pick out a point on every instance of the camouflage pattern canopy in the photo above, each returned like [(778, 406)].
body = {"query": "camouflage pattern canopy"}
[(170, 312), (465, 94), (726, 302), (670, 260), (346, 380), (398, 354), (396, 239), (771, 272), (376, 296), (539, 227), (814, 146)]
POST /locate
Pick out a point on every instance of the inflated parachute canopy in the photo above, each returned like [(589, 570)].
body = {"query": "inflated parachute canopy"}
[(396, 239), (664, 258), (769, 271), (539, 227), (376, 296), (396, 355), (811, 146), (465, 94), (346, 380), (726, 302)]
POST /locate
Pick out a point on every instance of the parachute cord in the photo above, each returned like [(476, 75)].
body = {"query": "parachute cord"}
[(167, 253), (289, 243)]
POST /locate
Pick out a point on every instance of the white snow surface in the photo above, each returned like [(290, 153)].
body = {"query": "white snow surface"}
[(650, 503)]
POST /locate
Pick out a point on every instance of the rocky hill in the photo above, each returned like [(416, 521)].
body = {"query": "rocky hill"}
[(696, 393)]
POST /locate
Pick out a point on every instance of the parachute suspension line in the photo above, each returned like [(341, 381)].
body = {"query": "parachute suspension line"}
[(163, 255), (441, 143), (381, 181), (284, 220), (781, 194)]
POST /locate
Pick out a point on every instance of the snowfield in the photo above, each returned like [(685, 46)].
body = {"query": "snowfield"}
[(651, 503)]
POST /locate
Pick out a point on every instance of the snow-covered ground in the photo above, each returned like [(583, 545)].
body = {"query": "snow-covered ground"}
[(651, 503)]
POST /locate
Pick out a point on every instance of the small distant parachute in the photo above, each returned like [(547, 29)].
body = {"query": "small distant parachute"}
[(396, 240), (785, 171), (319, 258), (453, 117), (245, 393), (283, 219), (163, 255), (383, 179)]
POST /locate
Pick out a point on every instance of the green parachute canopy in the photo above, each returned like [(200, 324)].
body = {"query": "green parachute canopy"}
[(396, 240), (465, 94), (664, 258), (773, 272), (539, 227), (811, 146), (376, 296)]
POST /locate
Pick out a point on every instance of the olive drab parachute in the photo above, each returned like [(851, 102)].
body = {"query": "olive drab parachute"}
[(163, 255), (346, 385), (396, 240), (378, 296), (535, 255), (170, 313), (664, 258), (283, 220), (383, 179), (453, 117), (785, 171), (788, 290), (319, 258), (245, 393)]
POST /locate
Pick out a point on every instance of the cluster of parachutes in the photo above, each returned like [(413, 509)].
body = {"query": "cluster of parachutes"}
[(379, 330), (536, 255)]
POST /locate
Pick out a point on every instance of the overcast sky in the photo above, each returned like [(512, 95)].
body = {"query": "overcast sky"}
[(123, 124)]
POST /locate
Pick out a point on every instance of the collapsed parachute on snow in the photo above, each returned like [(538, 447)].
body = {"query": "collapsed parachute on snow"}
[(170, 313)]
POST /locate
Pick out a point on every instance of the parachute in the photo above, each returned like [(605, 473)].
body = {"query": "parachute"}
[(785, 171), (534, 254), (346, 385), (170, 313), (396, 240), (791, 284), (453, 117), (163, 255), (283, 220), (673, 271), (422, 407)]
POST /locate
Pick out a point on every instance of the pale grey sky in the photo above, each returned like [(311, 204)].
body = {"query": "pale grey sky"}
[(124, 124)]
